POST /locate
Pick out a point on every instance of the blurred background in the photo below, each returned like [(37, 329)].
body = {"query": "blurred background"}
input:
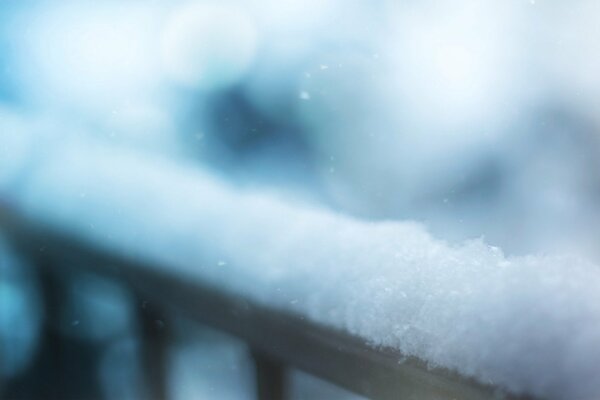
[(478, 119)]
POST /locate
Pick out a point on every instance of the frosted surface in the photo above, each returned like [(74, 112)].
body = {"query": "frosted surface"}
[(529, 324)]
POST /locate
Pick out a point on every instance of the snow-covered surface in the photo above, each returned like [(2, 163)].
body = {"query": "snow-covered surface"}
[(528, 324)]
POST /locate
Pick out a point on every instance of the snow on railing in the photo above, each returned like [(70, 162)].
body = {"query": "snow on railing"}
[(277, 339), (527, 325)]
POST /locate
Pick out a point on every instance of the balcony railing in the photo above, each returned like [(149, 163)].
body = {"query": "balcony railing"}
[(278, 340)]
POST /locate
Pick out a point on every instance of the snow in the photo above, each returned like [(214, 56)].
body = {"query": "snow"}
[(528, 324), (304, 95)]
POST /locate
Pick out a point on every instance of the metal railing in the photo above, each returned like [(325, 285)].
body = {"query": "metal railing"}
[(278, 340)]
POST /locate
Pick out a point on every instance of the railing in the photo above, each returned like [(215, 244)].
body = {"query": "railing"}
[(277, 340)]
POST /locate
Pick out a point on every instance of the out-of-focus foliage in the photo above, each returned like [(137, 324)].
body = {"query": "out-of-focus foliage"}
[(477, 118)]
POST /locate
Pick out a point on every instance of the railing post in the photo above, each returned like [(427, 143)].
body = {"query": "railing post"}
[(63, 367), (270, 377), (154, 335)]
